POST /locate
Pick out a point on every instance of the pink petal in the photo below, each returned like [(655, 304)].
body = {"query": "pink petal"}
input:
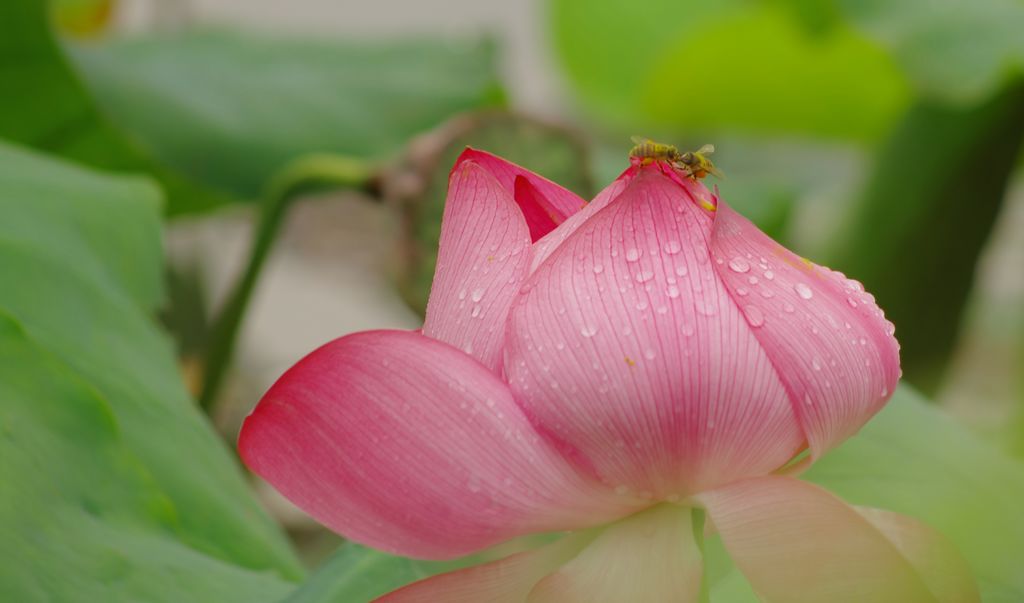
[(405, 444), (483, 258), (651, 556), (829, 342), (937, 562), (628, 352), (798, 543), (547, 245), (507, 580), (557, 201)]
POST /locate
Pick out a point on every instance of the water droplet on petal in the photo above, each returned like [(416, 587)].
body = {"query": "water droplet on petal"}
[(852, 302), (681, 270), (478, 294), (632, 254), (644, 276), (816, 364), (588, 330), (649, 354), (803, 291), (672, 292), (598, 268), (462, 294), (742, 291), (672, 247), (769, 275), (687, 330), (641, 304), (754, 316), (738, 264), (476, 312)]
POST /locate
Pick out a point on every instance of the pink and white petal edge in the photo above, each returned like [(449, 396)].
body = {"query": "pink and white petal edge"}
[(405, 444), (936, 560), (650, 556), (507, 580), (798, 543)]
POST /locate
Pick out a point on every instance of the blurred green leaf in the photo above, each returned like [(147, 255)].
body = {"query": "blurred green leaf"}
[(81, 260), (82, 519), (952, 50), (231, 109), (915, 237), (687, 65), (45, 106)]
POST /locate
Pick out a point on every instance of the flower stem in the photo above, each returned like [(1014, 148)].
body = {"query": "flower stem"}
[(304, 175)]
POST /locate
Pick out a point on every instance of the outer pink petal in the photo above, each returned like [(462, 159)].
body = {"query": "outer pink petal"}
[(651, 556), (507, 580), (628, 351), (483, 258), (559, 201), (405, 444), (829, 342), (936, 560), (798, 543)]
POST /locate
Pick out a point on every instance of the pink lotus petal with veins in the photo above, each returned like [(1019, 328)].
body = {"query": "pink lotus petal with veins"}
[(603, 368)]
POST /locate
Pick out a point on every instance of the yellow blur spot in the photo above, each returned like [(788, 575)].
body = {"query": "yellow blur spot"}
[(629, 361)]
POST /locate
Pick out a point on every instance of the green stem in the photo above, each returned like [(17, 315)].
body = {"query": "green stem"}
[(699, 519), (302, 176)]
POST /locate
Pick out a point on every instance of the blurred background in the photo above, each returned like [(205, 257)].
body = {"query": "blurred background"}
[(301, 151)]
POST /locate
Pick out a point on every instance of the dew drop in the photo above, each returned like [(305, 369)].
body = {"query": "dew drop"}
[(644, 276), (588, 331), (649, 354), (672, 292), (738, 264), (769, 275), (754, 316), (641, 304), (852, 302), (478, 294), (632, 254), (681, 270), (598, 268), (742, 291), (672, 247), (803, 291), (462, 294), (687, 330), (476, 312)]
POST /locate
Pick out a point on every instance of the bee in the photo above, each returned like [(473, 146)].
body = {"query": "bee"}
[(695, 163)]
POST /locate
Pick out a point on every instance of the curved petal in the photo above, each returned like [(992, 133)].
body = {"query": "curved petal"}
[(405, 444), (830, 343), (944, 571), (483, 257), (651, 556), (558, 202), (798, 543), (507, 580), (627, 351), (547, 245)]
